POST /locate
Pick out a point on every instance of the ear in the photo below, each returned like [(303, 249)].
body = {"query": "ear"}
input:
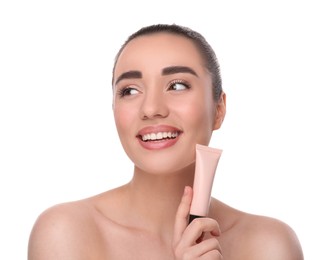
[(220, 111)]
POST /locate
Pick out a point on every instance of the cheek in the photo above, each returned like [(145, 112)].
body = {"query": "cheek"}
[(198, 113), (122, 118)]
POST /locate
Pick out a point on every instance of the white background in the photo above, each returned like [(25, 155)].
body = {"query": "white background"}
[(57, 138)]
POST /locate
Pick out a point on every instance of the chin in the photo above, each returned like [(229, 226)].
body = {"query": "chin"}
[(166, 167)]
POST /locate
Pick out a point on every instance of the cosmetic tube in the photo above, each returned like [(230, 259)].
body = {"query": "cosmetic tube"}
[(207, 159)]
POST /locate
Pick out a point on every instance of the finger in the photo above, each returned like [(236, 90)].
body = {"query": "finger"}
[(199, 226), (211, 244), (212, 255), (207, 248), (181, 218)]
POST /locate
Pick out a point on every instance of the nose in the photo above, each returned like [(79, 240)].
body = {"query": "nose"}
[(154, 105)]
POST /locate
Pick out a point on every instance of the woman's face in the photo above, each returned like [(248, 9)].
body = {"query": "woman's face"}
[(163, 104)]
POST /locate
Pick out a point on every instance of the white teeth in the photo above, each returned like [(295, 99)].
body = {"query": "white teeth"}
[(159, 136)]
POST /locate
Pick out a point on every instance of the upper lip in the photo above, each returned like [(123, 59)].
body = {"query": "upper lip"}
[(157, 129)]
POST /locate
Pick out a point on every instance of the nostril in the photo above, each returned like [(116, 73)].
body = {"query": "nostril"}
[(153, 105), (156, 112)]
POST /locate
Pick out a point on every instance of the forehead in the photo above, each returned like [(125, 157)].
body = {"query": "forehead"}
[(159, 50)]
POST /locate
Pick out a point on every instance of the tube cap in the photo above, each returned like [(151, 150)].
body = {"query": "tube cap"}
[(192, 217)]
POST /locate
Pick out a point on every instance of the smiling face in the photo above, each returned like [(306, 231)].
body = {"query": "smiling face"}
[(163, 103)]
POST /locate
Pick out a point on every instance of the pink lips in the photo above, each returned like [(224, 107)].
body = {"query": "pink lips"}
[(158, 137)]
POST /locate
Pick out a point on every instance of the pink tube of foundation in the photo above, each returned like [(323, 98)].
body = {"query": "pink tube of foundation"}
[(207, 159)]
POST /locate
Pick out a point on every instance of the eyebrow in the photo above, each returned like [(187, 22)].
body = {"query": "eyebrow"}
[(178, 69), (132, 74), (135, 74)]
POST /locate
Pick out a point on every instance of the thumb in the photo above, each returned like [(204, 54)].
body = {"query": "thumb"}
[(181, 218)]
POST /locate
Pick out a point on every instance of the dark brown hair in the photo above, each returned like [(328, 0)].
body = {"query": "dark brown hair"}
[(208, 54)]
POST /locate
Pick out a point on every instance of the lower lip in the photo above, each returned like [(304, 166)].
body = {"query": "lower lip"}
[(158, 145)]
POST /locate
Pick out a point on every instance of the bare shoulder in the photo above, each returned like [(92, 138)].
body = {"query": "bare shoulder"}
[(249, 236), (60, 231), (270, 239)]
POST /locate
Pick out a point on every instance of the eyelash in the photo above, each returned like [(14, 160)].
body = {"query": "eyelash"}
[(179, 82), (126, 90)]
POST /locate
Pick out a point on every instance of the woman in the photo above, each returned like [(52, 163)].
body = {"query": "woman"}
[(167, 98)]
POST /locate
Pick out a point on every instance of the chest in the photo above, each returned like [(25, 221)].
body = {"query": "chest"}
[(123, 243)]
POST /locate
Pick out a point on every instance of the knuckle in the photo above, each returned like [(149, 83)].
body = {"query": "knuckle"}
[(215, 242), (201, 223), (198, 223), (215, 254), (215, 222)]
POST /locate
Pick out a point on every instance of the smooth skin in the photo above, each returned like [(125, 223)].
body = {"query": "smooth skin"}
[(148, 217)]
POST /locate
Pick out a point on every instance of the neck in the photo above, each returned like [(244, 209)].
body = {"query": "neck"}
[(154, 199)]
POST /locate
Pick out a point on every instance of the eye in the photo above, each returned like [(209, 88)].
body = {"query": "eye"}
[(178, 86), (127, 91)]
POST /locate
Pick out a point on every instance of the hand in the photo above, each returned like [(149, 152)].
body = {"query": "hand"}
[(198, 240)]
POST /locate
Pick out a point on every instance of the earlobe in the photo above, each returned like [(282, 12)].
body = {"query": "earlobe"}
[(220, 111)]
